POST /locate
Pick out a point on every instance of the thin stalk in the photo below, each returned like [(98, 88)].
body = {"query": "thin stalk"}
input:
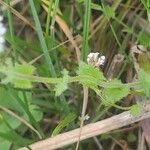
[(103, 84), (11, 30), (52, 35), (21, 120), (49, 17), (42, 40), (85, 47)]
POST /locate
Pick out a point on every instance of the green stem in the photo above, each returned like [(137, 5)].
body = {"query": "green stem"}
[(85, 48), (103, 84), (49, 17), (11, 30)]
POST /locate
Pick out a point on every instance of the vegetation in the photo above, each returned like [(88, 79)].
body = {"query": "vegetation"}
[(47, 86)]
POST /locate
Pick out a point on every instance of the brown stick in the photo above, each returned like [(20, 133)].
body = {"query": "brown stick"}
[(88, 131)]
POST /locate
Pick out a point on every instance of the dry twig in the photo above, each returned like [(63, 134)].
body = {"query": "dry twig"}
[(88, 131)]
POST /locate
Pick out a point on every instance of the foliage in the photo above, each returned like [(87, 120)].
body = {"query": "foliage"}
[(61, 87), (113, 94), (144, 82), (11, 74), (38, 41), (64, 123), (89, 75)]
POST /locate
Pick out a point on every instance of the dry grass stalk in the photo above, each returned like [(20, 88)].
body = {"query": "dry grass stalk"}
[(88, 131)]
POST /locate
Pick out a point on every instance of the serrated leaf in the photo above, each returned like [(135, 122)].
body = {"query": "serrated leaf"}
[(114, 92), (144, 82), (62, 86), (12, 77), (135, 110), (63, 123), (25, 69), (89, 75)]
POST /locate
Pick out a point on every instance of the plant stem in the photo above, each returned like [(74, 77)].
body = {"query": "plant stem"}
[(49, 17)]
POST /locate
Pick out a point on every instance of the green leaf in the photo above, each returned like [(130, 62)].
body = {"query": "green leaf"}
[(7, 101), (89, 75), (108, 12), (37, 114), (63, 123), (114, 92), (144, 39), (128, 30), (12, 74), (135, 110), (96, 6), (5, 145), (144, 82), (61, 87), (25, 69), (14, 123)]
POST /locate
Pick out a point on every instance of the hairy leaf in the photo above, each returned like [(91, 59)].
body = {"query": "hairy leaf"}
[(114, 92), (89, 75), (62, 86), (12, 75)]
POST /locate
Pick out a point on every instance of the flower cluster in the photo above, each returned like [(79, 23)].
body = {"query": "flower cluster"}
[(2, 32), (95, 60)]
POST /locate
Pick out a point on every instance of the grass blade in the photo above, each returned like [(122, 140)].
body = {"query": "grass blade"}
[(85, 48), (11, 30), (42, 40)]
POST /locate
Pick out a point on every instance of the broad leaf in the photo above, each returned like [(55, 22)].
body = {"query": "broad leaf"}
[(114, 92), (89, 75)]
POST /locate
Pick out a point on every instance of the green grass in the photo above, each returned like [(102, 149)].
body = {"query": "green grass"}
[(42, 40), (54, 102), (85, 46), (11, 30)]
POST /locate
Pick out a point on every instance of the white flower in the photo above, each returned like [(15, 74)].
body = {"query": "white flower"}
[(95, 60), (86, 117), (2, 32)]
